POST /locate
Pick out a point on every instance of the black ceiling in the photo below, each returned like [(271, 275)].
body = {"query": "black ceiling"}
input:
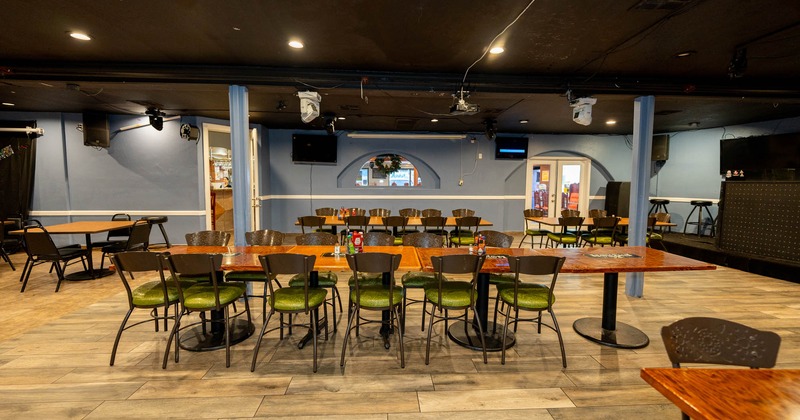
[(395, 65)]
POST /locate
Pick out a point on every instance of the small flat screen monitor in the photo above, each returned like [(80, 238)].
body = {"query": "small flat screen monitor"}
[(314, 149), (95, 130), (511, 148)]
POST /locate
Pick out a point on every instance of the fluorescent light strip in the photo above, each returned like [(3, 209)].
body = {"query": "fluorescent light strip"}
[(406, 136)]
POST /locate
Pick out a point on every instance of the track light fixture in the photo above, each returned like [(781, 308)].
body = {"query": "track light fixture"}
[(156, 118), (491, 129)]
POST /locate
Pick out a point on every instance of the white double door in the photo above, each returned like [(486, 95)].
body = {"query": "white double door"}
[(556, 184)]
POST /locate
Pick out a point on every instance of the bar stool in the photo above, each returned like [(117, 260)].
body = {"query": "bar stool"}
[(159, 220), (658, 205), (699, 205)]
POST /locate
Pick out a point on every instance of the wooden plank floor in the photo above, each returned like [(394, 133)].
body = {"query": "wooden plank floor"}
[(55, 347)]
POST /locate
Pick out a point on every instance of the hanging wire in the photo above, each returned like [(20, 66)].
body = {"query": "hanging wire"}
[(495, 39)]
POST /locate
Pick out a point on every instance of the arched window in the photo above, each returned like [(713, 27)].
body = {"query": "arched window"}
[(388, 170)]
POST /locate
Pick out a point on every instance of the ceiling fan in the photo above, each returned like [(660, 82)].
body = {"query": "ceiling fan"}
[(156, 117)]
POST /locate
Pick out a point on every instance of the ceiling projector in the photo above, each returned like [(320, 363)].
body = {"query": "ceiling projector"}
[(582, 110), (461, 106)]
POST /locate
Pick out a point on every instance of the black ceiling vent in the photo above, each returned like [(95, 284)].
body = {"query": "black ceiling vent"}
[(661, 4), (352, 108), (666, 112), (405, 124)]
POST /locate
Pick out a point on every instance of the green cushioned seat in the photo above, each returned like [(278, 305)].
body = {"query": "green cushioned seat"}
[(152, 294), (463, 240), (293, 298), (201, 296), (533, 298), (655, 237), (503, 286), (376, 296), (454, 294), (498, 279), (600, 240), (418, 279), (326, 279), (375, 279), (246, 276), (536, 232), (564, 238), (398, 240)]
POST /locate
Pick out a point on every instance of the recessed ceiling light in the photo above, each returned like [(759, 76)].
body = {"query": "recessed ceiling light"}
[(237, 28), (523, 121), (496, 50), (341, 118), (7, 104), (80, 36), (685, 53), (434, 120), (45, 84), (611, 122), (296, 44)]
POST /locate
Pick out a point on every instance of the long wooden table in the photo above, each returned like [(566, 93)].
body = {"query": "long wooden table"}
[(87, 228), (607, 260), (729, 393), (334, 222), (588, 221)]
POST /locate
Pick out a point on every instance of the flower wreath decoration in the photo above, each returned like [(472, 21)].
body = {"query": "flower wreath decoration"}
[(387, 164)]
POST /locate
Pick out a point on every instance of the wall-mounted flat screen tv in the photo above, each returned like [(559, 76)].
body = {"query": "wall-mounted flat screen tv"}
[(95, 130), (511, 148), (762, 153), (308, 148)]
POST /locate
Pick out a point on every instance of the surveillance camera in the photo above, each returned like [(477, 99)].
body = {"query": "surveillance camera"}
[(582, 110), (582, 114)]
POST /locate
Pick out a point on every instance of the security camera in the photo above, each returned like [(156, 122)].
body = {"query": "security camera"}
[(309, 105), (582, 110)]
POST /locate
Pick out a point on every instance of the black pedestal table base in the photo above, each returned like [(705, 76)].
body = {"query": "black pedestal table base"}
[(214, 339), (471, 338), (623, 336)]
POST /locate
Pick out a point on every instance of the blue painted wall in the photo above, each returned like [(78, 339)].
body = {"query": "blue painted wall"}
[(150, 172)]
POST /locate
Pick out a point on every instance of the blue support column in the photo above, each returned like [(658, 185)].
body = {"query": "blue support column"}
[(643, 107), (240, 161)]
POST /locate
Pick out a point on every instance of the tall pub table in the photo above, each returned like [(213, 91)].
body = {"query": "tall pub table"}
[(87, 228), (607, 260)]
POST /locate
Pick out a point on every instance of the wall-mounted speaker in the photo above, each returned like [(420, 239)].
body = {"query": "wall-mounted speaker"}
[(618, 197), (95, 130), (660, 147)]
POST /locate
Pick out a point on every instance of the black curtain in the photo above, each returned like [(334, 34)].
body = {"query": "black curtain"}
[(17, 167)]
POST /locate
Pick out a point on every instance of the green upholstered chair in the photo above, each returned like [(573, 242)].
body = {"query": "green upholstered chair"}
[(313, 224), (603, 232), (435, 225), (533, 229), (298, 299), (519, 296), (372, 297), (264, 237), (569, 234), (160, 293), (651, 237), (326, 211), (498, 240), (409, 212), (203, 296), (327, 279), (454, 295), (464, 233), (419, 279), (395, 224), (380, 213), (461, 213)]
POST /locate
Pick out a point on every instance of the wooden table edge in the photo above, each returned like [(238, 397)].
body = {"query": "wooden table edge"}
[(683, 405)]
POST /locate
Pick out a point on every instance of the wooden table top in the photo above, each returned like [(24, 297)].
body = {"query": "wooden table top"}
[(245, 258), (619, 259), (588, 221), (378, 221), (729, 393), (90, 226)]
